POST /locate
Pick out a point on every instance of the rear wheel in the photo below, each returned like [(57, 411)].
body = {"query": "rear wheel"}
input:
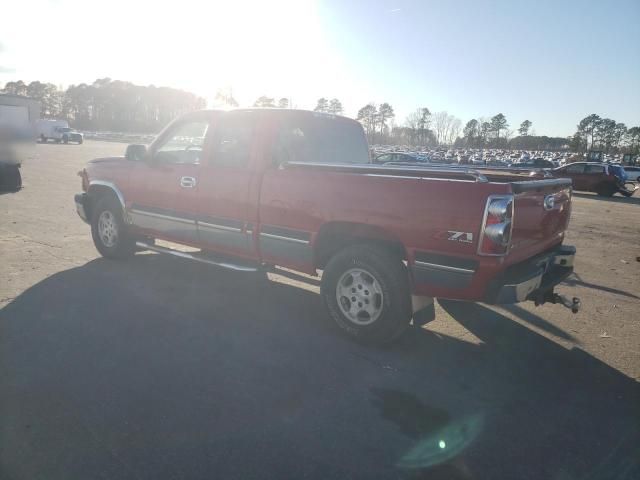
[(109, 231), (606, 190), (366, 292)]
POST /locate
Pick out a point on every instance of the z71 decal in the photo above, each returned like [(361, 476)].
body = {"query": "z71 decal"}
[(464, 237)]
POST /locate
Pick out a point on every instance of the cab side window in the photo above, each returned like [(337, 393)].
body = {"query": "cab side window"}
[(183, 144), (232, 140)]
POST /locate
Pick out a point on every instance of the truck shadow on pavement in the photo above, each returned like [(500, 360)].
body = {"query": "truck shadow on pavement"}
[(156, 368), (574, 280)]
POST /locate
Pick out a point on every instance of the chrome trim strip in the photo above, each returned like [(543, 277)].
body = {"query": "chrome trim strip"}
[(214, 226), (420, 178), (288, 239), (113, 187), (363, 167), (444, 268), (176, 253), (164, 217)]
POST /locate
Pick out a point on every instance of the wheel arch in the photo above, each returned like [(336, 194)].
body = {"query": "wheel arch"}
[(99, 188), (334, 236)]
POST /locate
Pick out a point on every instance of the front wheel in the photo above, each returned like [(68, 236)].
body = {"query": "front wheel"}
[(109, 231), (366, 292)]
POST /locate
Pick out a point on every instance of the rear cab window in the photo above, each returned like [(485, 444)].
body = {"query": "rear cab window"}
[(320, 138)]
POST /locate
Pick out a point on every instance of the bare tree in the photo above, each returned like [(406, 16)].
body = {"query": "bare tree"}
[(454, 129), (446, 127)]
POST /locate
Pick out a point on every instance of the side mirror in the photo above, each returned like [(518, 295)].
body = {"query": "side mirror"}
[(135, 152)]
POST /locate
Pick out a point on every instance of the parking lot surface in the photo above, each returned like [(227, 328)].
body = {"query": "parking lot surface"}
[(158, 368)]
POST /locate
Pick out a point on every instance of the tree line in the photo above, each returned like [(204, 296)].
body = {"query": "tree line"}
[(122, 106), (596, 133), (110, 105)]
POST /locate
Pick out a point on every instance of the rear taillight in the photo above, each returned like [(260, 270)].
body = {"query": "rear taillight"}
[(497, 225)]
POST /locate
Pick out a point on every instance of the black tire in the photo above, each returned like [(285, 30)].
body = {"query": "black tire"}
[(606, 191), (391, 275), (43, 139), (124, 244)]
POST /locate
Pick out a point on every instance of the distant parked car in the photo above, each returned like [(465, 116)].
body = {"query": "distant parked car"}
[(533, 163), (400, 157), (633, 173), (603, 179)]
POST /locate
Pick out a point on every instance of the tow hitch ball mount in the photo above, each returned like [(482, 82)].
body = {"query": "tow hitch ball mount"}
[(555, 298)]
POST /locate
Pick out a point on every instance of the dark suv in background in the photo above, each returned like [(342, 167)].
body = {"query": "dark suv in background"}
[(601, 178)]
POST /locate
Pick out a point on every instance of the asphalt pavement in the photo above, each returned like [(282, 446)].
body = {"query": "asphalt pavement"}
[(157, 368)]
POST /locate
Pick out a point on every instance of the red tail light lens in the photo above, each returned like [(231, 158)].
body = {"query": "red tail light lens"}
[(497, 225)]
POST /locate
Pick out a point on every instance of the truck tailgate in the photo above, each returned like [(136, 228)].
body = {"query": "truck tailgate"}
[(541, 215)]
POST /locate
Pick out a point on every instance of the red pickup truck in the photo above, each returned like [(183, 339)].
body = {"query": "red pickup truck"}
[(257, 188)]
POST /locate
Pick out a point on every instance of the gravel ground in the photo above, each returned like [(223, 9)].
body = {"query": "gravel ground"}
[(157, 368)]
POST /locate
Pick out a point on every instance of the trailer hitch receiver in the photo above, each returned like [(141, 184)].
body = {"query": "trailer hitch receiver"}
[(573, 304)]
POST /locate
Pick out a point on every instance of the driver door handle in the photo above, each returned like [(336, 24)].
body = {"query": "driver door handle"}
[(187, 182)]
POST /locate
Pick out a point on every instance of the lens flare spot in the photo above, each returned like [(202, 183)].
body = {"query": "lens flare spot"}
[(442, 445)]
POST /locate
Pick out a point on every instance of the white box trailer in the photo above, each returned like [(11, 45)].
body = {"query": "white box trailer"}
[(57, 130)]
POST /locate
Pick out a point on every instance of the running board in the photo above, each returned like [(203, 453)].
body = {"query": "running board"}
[(196, 258)]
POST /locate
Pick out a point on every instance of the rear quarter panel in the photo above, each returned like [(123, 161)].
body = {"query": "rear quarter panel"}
[(420, 213)]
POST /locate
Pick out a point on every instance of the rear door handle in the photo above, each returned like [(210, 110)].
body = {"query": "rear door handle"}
[(187, 182)]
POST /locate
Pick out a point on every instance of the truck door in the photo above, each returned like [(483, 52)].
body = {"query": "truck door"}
[(162, 197), (227, 213)]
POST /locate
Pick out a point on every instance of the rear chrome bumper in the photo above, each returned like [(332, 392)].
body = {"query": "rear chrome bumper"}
[(534, 278), (82, 201)]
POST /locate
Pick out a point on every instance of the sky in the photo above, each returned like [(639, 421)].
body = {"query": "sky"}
[(551, 62)]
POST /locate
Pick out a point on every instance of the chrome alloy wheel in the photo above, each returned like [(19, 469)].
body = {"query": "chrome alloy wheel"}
[(108, 229), (359, 296)]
